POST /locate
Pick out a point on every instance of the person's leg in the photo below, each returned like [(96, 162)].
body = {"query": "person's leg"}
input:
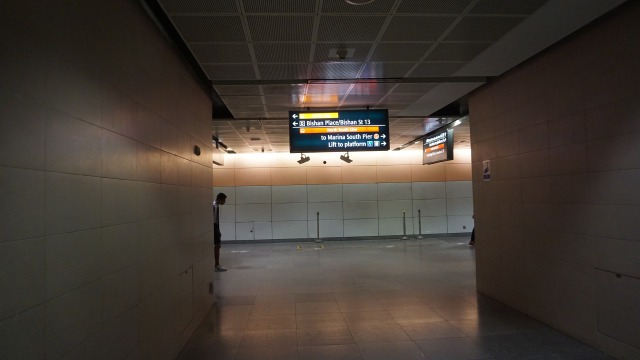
[(473, 237), (216, 254)]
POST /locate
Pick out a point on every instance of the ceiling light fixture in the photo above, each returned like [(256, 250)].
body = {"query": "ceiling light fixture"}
[(303, 159), (346, 158)]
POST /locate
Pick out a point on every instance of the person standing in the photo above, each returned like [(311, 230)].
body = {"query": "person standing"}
[(221, 198), (472, 242)]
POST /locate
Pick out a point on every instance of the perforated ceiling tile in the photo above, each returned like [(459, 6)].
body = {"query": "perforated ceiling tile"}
[(230, 72), (482, 28), (349, 28), (283, 100), (336, 89), (246, 108), (237, 89), (242, 100), (210, 28), (280, 28), (417, 28), (436, 69), (380, 70), (284, 89), (507, 6), (199, 6), (283, 71), (362, 100), (433, 6), (249, 114), (323, 50), (400, 51), (371, 88), (282, 52), (341, 6), (335, 70), (279, 7), (456, 51), (410, 88), (221, 53)]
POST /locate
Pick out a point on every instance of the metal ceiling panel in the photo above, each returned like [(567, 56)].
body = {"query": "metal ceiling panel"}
[(237, 89), (410, 88), (345, 70), (282, 52), (280, 28), (417, 28), (379, 70), (400, 51), (482, 28), (436, 69), (457, 51), (342, 7), (349, 28), (221, 53), (507, 6), (433, 6), (360, 51), (225, 28), (283, 71), (242, 100), (331, 89), (371, 88), (284, 89), (230, 72), (279, 7), (199, 6), (402, 98)]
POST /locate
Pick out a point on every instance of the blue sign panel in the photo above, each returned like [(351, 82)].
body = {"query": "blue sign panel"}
[(338, 131)]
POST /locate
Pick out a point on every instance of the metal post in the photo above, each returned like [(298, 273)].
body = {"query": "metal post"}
[(318, 227), (404, 225), (419, 225)]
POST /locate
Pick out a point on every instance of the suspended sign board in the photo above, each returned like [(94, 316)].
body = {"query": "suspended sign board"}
[(338, 131), (437, 146)]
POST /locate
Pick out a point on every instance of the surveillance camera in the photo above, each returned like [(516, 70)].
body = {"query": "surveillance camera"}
[(341, 54)]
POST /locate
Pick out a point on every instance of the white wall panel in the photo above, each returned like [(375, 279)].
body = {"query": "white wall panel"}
[(244, 231), (394, 208), (459, 189), (328, 210), (253, 195), (328, 229), (289, 194), (360, 209), (227, 213), (253, 212), (263, 230), (290, 229), (361, 227), (228, 231), (459, 224), (359, 192), (395, 226), (289, 211), (324, 193), (428, 190), (394, 191), (431, 225), (460, 206), (437, 207)]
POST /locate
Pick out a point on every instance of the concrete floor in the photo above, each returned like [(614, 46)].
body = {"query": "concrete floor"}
[(365, 299)]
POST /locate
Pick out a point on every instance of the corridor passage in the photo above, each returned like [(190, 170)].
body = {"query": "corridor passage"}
[(365, 299)]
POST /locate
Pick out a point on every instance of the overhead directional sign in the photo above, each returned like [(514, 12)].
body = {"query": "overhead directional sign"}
[(338, 131)]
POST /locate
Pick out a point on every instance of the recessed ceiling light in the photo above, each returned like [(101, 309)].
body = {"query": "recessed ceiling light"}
[(255, 139), (358, 2)]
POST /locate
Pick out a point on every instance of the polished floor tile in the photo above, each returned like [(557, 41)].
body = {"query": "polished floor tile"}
[(365, 300)]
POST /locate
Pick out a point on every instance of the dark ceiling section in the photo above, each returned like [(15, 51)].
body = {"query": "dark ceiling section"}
[(260, 59)]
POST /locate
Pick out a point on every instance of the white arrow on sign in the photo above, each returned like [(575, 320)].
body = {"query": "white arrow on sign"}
[(384, 143), (295, 123), (384, 136), (295, 116)]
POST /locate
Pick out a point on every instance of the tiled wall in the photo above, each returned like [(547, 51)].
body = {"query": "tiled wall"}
[(105, 226), (557, 233), (271, 196)]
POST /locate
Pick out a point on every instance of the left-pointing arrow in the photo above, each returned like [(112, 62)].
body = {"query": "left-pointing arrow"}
[(295, 116), (295, 123)]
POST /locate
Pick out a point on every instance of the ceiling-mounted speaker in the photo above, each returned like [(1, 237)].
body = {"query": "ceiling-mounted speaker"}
[(358, 2)]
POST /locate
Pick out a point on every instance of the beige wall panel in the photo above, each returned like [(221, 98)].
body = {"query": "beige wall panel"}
[(289, 176), (252, 177), (359, 174), (394, 173), (252, 161), (284, 160), (457, 172), (224, 177), (326, 175), (433, 172)]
